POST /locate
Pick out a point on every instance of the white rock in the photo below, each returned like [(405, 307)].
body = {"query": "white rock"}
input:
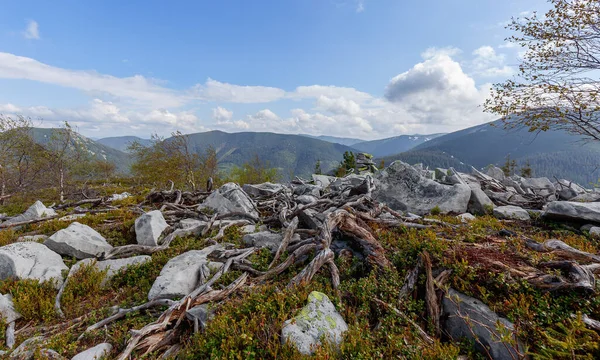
[(97, 352), (317, 320), (149, 227), (323, 180), (495, 173), (7, 309), (263, 239), (79, 241), (230, 198), (572, 210), (466, 217), (264, 189), (35, 211), (31, 260), (122, 196), (112, 267), (182, 274), (511, 212), (187, 224)]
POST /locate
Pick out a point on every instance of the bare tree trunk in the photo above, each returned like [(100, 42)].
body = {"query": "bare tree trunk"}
[(62, 184)]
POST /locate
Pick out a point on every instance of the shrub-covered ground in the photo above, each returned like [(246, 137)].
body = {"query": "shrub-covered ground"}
[(248, 324)]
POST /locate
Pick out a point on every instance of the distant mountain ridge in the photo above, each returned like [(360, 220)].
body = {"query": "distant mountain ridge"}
[(393, 145), (121, 143), (335, 139)]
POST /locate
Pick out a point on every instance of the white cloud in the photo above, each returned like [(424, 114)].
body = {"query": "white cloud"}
[(221, 114), (432, 52), (338, 106), (32, 31), (316, 91), (488, 63), (137, 87), (360, 6), (213, 90), (438, 92)]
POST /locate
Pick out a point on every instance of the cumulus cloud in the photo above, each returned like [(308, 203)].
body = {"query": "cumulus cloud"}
[(137, 87), (339, 105), (221, 114), (316, 91), (437, 91), (32, 31), (488, 63)]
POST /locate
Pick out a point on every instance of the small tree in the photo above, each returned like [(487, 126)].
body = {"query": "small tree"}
[(557, 85), (16, 142), (509, 167), (526, 170), (318, 170), (254, 171)]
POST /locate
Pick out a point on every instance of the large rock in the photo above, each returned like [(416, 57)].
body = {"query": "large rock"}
[(183, 273), (8, 313), (511, 212), (541, 186), (317, 320), (495, 173), (481, 327), (31, 260), (587, 197), (149, 227), (263, 239), (307, 189), (264, 189), (572, 210), (349, 181), (323, 180), (402, 188), (112, 267), (230, 198), (79, 241), (479, 202), (35, 211), (100, 351)]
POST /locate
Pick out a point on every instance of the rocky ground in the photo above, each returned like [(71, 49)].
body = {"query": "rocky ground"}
[(404, 263)]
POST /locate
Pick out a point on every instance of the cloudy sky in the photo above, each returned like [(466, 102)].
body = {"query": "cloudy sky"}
[(355, 68)]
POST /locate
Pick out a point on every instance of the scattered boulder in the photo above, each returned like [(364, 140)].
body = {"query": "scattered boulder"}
[(311, 218), (317, 320), (349, 182), (573, 211), (511, 212), (183, 273), (230, 198), (99, 351), (466, 217), (402, 188), (587, 197), (323, 180), (264, 239), (35, 212), (187, 224), (8, 313), (31, 260), (115, 197), (112, 267), (79, 241), (539, 186), (495, 173), (481, 327), (479, 202), (264, 189), (149, 227), (307, 189)]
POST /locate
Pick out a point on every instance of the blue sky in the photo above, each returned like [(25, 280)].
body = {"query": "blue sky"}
[(367, 69)]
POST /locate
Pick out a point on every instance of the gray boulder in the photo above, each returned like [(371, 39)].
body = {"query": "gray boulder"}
[(317, 320), (264, 189), (479, 202), (31, 260), (98, 352), (307, 189), (35, 211), (8, 313), (402, 188), (495, 173), (149, 227), (323, 180), (230, 198), (540, 186), (187, 224), (200, 315), (482, 326), (264, 239), (116, 197), (79, 241), (112, 267), (183, 273), (466, 217), (511, 212), (574, 211), (349, 181), (587, 197)]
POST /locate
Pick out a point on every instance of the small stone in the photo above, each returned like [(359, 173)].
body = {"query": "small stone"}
[(466, 217), (7, 309), (264, 239), (149, 227), (317, 320), (99, 351), (79, 241)]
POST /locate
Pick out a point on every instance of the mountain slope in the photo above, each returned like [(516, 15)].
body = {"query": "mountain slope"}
[(291, 154), (121, 143), (551, 153), (335, 139), (99, 151), (393, 145)]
